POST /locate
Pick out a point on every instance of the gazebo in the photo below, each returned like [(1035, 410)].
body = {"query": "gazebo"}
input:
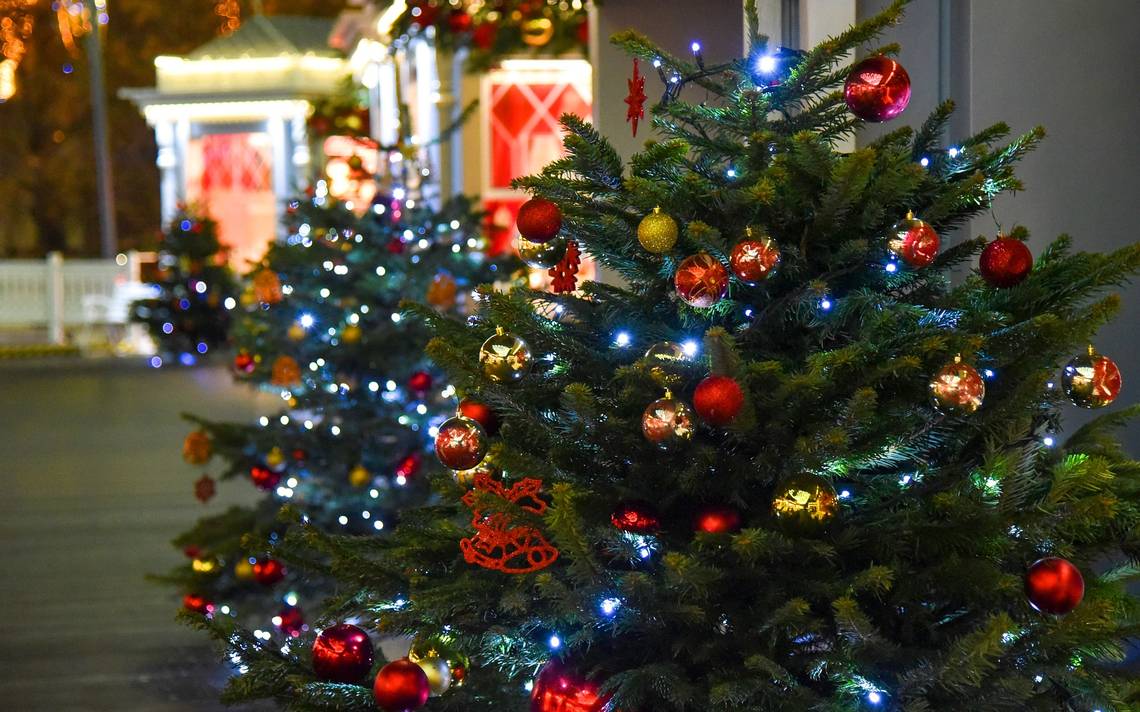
[(230, 122)]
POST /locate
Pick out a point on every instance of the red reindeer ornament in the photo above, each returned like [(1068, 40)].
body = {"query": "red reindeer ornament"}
[(499, 543)]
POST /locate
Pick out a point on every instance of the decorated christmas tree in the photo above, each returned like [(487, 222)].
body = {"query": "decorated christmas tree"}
[(320, 327), (802, 458), (187, 317)]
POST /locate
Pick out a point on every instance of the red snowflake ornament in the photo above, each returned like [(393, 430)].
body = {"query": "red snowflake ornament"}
[(565, 274), (636, 99), (204, 489), (499, 543)]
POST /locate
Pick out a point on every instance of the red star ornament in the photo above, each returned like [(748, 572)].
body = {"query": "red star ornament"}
[(636, 98)]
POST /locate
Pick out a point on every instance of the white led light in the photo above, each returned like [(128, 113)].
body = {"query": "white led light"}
[(874, 697), (609, 606), (306, 320), (230, 302), (555, 642), (373, 386), (924, 162), (396, 317), (690, 348), (325, 292), (263, 420), (377, 525), (621, 339), (342, 519), (696, 47), (284, 420), (766, 64), (335, 430)]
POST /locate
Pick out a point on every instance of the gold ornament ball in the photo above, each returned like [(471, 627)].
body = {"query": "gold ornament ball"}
[(657, 232), (243, 570), (667, 420), (205, 566), (505, 358), (1091, 380), (296, 332), (438, 673), (542, 255), (359, 476), (275, 459), (805, 503), (538, 31), (350, 334), (957, 388)]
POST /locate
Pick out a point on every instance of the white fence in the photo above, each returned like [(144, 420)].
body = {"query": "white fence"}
[(55, 293)]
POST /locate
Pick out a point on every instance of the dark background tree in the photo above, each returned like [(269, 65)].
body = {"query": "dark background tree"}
[(46, 151)]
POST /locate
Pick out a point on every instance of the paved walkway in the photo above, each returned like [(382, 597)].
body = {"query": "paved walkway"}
[(92, 488)]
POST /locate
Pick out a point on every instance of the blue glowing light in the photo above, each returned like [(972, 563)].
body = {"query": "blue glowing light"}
[(155, 362), (187, 359), (691, 348), (924, 162), (68, 69), (766, 64), (891, 267), (988, 373), (621, 339), (185, 225), (825, 304), (183, 303), (609, 606), (874, 697), (202, 347), (696, 47), (168, 328), (555, 642), (1048, 441)]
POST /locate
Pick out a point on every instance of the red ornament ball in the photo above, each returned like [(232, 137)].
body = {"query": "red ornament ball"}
[(420, 382), (701, 280), (718, 400), (1054, 585), (459, 21), (290, 621), (268, 571), (636, 516), (197, 604), (244, 362), (461, 443), (342, 653), (481, 413), (1005, 262), (484, 35), (539, 220), (401, 686), (878, 89), (914, 241), (263, 477), (754, 260), (410, 465), (717, 519), (558, 688)]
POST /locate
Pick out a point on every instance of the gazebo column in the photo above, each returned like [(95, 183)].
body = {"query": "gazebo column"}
[(172, 137), (282, 167), (299, 175)]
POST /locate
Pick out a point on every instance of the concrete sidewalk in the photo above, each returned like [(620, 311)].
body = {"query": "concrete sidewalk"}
[(94, 488)]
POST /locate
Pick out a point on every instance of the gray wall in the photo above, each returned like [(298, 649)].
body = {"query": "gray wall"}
[(717, 24), (1069, 65)]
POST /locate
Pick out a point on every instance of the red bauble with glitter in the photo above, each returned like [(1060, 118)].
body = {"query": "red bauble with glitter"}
[(718, 400), (701, 280), (197, 604), (460, 443), (1005, 262), (401, 686), (558, 688), (244, 362), (268, 571), (290, 621), (914, 241), (878, 89), (539, 220), (636, 516), (263, 477), (420, 382), (1053, 585), (342, 653), (755, 259), (481, 413), (717, 519)]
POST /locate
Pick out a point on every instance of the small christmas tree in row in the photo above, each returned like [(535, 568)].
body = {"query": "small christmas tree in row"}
[(187, 318), (790, 465), (320, 326)]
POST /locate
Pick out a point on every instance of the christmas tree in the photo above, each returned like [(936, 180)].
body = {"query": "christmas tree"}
[(869, 503), (187, 317), (320, 326)]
